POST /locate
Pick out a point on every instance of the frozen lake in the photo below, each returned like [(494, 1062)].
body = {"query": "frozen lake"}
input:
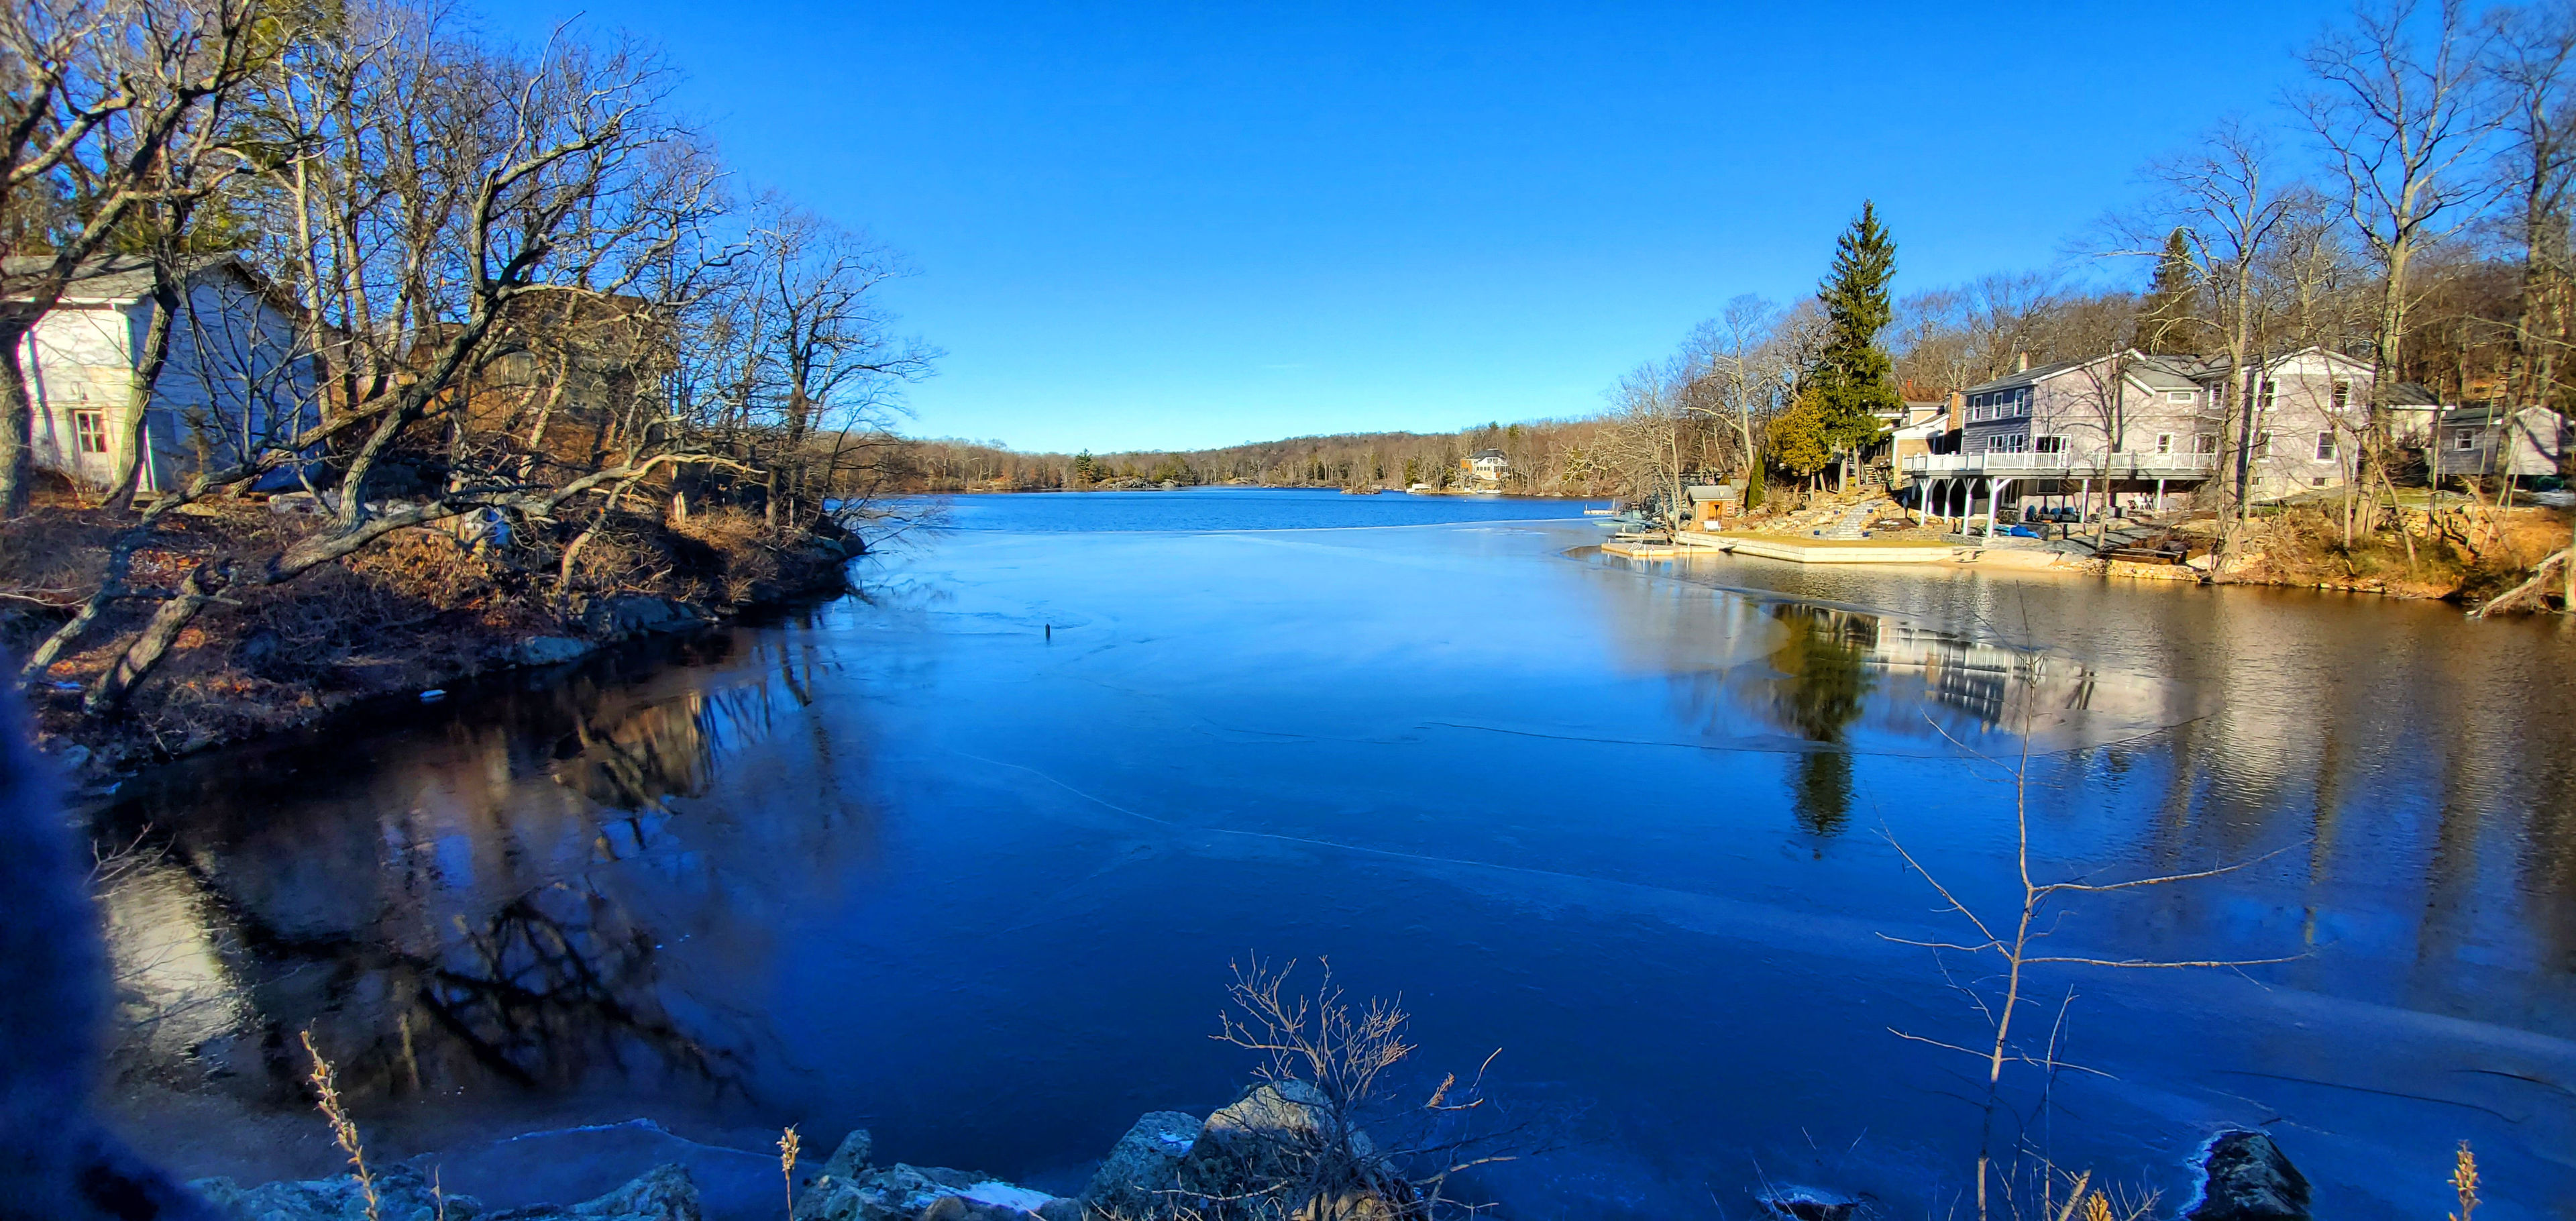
[(964, 860)]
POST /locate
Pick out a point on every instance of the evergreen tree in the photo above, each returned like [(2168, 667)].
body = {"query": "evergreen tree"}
[(2164, 318), (1800, 439), (1854, 380)]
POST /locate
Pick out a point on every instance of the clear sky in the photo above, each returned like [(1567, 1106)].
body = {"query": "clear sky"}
[(1151, 225)]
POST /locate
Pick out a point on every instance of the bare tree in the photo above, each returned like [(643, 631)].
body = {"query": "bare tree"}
[(2399, 106)]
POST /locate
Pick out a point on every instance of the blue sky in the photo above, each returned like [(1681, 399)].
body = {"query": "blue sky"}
[(1186, 225)]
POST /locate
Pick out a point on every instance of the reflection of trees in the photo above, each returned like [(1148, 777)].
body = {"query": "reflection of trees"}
[(1824, 679), (473, 908)]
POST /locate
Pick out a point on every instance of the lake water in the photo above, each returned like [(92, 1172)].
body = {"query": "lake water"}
[(964, 859)]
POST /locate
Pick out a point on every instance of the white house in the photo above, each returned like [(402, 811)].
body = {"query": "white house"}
[(1485, 466), (2141, 429), (2480, 441), (237, 376)]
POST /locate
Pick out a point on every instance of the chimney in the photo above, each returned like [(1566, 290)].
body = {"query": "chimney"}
[(2021, 362)]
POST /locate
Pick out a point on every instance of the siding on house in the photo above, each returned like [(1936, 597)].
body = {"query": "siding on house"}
[(235, 374)]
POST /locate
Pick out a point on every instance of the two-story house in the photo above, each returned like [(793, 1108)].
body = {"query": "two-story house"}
[(236, 374), (1484, 468), (2129, 429)]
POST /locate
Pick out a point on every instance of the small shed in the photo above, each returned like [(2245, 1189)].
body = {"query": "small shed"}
[(1713, 502)]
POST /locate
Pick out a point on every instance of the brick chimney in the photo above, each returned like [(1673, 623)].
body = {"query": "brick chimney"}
[(2021, 362)]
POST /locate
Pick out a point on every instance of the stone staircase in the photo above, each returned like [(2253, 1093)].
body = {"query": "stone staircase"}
[(1852, 524)]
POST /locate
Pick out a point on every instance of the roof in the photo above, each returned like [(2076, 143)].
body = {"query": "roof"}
[(2486, 413), (2152, 372), (2412, 394), (113, 278), (1483, 454)]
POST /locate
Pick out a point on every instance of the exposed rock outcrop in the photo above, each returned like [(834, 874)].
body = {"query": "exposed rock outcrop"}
[(1147, 1160), (919, 1193), (663, 1193), (2245, 1177)]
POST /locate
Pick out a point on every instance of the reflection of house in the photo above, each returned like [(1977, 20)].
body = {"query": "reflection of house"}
[(1485, 466), (2495, 441), (233, 375), (2138, 427)]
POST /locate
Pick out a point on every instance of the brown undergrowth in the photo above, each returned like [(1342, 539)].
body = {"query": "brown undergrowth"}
[(422, 608), (2465, 554)]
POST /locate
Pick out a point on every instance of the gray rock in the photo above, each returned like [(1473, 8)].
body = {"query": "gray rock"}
[(2245, 1177), (663, 1193), (1143, 1162), (1282, 1134), (551, 650), (402, 1194), (628, 614), (850, 1160), (1809, 1204), (917, 1193)]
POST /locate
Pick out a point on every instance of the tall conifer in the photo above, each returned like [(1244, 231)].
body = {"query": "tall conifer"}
[(2164, 318), (1855, 381)]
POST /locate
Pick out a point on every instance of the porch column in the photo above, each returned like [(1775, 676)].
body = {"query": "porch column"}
[(2084, 500), (1994, 497), (2160, 495)]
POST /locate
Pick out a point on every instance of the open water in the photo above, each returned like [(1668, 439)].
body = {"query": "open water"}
[(965, 858)]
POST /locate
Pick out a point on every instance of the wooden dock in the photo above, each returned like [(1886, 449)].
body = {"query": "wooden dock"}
[(1795, 550)]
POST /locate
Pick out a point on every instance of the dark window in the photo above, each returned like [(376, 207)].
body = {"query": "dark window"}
[(2325, 447), (89, 429)]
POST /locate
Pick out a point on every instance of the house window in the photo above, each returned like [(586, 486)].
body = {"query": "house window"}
[(2050, 445), (2206, 443), (2464, 439), (2164, 443), (2268, 387), (2263, 441), (89, 430), (2342, 395), (2325, 447), (2179, 396)]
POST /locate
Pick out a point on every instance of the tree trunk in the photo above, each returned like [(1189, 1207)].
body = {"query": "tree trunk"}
[(17, 448), (202, 585), (138, 400)]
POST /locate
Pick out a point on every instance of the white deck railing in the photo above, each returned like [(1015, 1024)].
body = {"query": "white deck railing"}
[(2126, 465)]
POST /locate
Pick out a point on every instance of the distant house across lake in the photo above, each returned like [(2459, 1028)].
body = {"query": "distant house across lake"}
[(1484, 468)]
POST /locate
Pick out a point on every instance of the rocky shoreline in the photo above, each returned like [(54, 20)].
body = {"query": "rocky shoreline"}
[(1169, 1164)]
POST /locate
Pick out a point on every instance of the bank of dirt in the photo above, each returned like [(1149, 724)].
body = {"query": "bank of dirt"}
[(420, 609)]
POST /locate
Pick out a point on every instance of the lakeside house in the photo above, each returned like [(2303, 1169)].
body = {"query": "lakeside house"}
[(1484, 468), (235, 371), (2140, 430), (2494, 440)]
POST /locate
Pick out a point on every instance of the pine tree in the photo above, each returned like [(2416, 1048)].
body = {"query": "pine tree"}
[(1854, 380), (2165, 317)]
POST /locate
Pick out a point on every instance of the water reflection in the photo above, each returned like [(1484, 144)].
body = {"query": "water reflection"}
[(1824, 666), (485, 911)]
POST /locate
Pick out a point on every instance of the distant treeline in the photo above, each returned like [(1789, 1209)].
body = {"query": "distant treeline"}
[(1547, 458)]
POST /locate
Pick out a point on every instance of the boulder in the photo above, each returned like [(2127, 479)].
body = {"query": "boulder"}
[(1144, 1161), (911, 1193), (2245, 1177), (663, 1193), (551, 650), (1808, 1204), (629, 614), (1281, 1135), (850, 1159)]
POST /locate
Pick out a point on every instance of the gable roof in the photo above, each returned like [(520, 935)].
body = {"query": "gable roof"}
[(122, 279), (2148, 372)]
